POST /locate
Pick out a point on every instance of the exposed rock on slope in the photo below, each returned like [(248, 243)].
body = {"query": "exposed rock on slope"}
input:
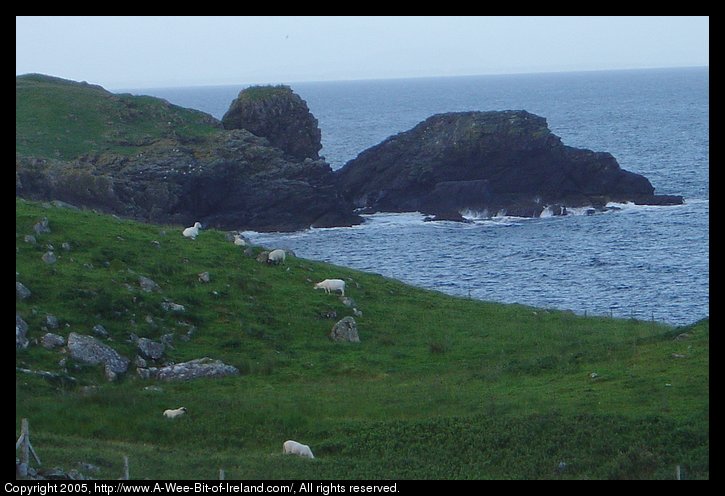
[(278, 114), (488, 162)]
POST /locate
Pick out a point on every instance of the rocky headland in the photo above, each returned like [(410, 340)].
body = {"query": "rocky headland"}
[(259, 168), (488, 162), (143, 158)]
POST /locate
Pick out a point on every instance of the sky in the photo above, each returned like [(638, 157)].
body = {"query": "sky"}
[(164, 51)]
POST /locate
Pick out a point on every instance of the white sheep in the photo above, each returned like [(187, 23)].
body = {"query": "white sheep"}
[(177, 412), (294, 448), (239, 240), (276, 256), (192, 232), (331, 285)]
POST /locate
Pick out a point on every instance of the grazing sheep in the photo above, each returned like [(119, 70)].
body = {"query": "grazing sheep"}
[(331, 285), (239, 240), (294, 448), (192, 232), (178, 412), (276, 257)]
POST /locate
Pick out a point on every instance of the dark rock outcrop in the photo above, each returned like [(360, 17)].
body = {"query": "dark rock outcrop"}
[(280, 115), (488, 162), (236, 180)]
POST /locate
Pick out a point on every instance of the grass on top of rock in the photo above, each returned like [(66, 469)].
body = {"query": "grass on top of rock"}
[(438, 387), (61, 119)]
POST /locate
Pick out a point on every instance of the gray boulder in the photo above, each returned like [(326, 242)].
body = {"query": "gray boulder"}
[(194, 369), (345, 330), (51, 341), (52, 321), (42, 226), (49, 257), (150, 349), (100, 331), (21, 291), (170, 306), (148, 285), (87, 349), (21, 333)]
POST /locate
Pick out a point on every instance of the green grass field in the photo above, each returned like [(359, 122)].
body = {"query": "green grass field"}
[(62, 119), (438, 387)]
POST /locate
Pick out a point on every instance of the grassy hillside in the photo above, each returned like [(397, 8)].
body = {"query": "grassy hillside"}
[(61, 119), (439, 387)]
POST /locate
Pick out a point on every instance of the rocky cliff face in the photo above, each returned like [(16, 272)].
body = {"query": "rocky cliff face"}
[(152, 161), (236, 181), (487, 162), (280, 115)]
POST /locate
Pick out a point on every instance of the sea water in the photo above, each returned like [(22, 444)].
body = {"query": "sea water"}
[(639, 262)]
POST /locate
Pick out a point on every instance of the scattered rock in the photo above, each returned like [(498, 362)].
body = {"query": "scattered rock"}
[(140, 362), (52, 321), (357, 313), (345, 330), (148, 285), (150, 349), (678, 355), (347, 301), (62, 204), (194, 369), (328, 314), (453, 216), (54, 378), (682, 336), (263, 257), (49, 257), (66, 246), (154, 389), (100, 331), (156, 244), (51, 341), (593, 375), (170, 306), (42, 226), (88, 349), (167, 339), (21, 333), (204, 277), (29, 238), (21, 291)]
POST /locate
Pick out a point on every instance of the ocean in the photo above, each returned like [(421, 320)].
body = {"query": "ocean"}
[(642, 262)]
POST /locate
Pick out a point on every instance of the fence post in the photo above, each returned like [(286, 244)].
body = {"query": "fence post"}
[(25, 446), (125, 468), (678, 473), (221, 474), (23, 442)]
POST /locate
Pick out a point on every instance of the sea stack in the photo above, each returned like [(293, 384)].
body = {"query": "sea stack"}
[(489, 162)]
